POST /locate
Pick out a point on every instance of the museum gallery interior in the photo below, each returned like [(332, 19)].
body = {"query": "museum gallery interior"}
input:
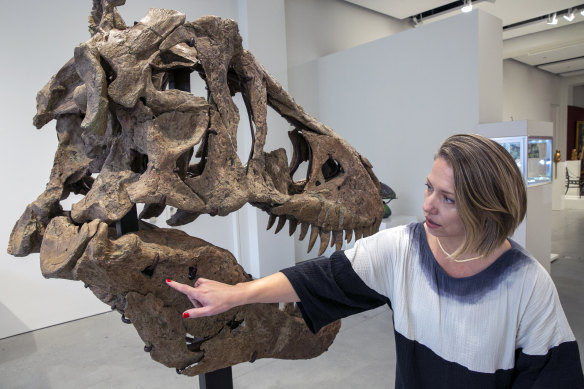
[(231, 139)]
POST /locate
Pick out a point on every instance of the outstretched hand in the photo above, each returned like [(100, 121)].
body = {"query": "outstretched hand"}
[(207, 296), (212, 298)]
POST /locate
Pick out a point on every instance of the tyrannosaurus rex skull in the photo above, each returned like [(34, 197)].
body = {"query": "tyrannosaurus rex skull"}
[(126, 137)]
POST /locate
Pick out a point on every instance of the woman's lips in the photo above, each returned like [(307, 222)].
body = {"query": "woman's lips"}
[(431, 224)]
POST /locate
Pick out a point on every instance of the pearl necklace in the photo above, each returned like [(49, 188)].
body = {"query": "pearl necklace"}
[(450, 255)]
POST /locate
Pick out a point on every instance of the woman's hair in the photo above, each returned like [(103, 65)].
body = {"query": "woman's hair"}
[(490, 192)]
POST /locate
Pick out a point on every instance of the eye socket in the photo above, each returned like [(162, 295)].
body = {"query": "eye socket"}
[(139, 161), (331, 169)]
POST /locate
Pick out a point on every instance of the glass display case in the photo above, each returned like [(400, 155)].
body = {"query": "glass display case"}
[(533, 155), (539, 160)]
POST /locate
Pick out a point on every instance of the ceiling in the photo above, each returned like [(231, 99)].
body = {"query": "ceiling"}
[(527, 37)]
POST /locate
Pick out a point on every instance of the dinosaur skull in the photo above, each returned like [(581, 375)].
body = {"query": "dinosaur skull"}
[(128, 131)]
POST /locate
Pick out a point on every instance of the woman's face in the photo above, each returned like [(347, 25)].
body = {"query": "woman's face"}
[(439, 207)]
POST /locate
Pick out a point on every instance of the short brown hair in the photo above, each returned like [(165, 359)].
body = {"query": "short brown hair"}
[(490, 192)]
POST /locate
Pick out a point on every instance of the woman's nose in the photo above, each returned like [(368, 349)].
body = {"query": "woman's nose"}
[(428, 205)]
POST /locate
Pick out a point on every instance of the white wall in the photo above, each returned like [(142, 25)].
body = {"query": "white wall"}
[(396, 99), (532, 94), (528, 93), (28, 301), (316, 28), (35, 51)]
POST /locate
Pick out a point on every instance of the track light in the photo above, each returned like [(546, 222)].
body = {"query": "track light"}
[(552, 19), (569, 16), (467, 7), (416, 20)]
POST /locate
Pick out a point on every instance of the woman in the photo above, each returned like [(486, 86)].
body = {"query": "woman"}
[(471, 308)]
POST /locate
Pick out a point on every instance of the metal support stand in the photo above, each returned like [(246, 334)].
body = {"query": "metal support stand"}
[(218, 379), (129, 223), (180, 79)]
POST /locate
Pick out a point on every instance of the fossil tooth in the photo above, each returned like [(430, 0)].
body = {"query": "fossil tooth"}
[(281, 222), (334, 238), (338, 239), (349, 235), (271, 221), (325, 236), (313, 234), (303, 230), (292, 226)]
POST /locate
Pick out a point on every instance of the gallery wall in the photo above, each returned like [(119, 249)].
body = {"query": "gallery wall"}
[(396, 99), (533, 94), (316, 28), (529, 93), (33, 55)]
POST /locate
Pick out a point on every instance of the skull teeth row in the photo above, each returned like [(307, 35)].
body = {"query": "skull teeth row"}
[(335, 237)]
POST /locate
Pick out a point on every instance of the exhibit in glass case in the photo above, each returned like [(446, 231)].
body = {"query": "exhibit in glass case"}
[(539, 160), (533, 155), (515, 145)]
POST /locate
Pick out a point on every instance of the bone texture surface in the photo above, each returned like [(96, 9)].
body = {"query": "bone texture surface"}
[(127, 137)]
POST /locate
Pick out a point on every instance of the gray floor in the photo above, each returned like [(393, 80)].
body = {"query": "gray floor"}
[(101, 352)]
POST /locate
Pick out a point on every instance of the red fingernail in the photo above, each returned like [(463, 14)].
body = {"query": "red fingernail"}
[(168, 280), (186, 315)]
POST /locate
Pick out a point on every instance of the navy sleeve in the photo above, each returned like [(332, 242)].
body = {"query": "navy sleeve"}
[(329, 289), (559, 368)]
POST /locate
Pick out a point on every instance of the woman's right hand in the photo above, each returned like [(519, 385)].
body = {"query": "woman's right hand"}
[(207, 296), (212, 298)]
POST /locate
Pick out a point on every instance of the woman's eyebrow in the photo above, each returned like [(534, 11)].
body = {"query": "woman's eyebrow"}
[(440, 190)]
